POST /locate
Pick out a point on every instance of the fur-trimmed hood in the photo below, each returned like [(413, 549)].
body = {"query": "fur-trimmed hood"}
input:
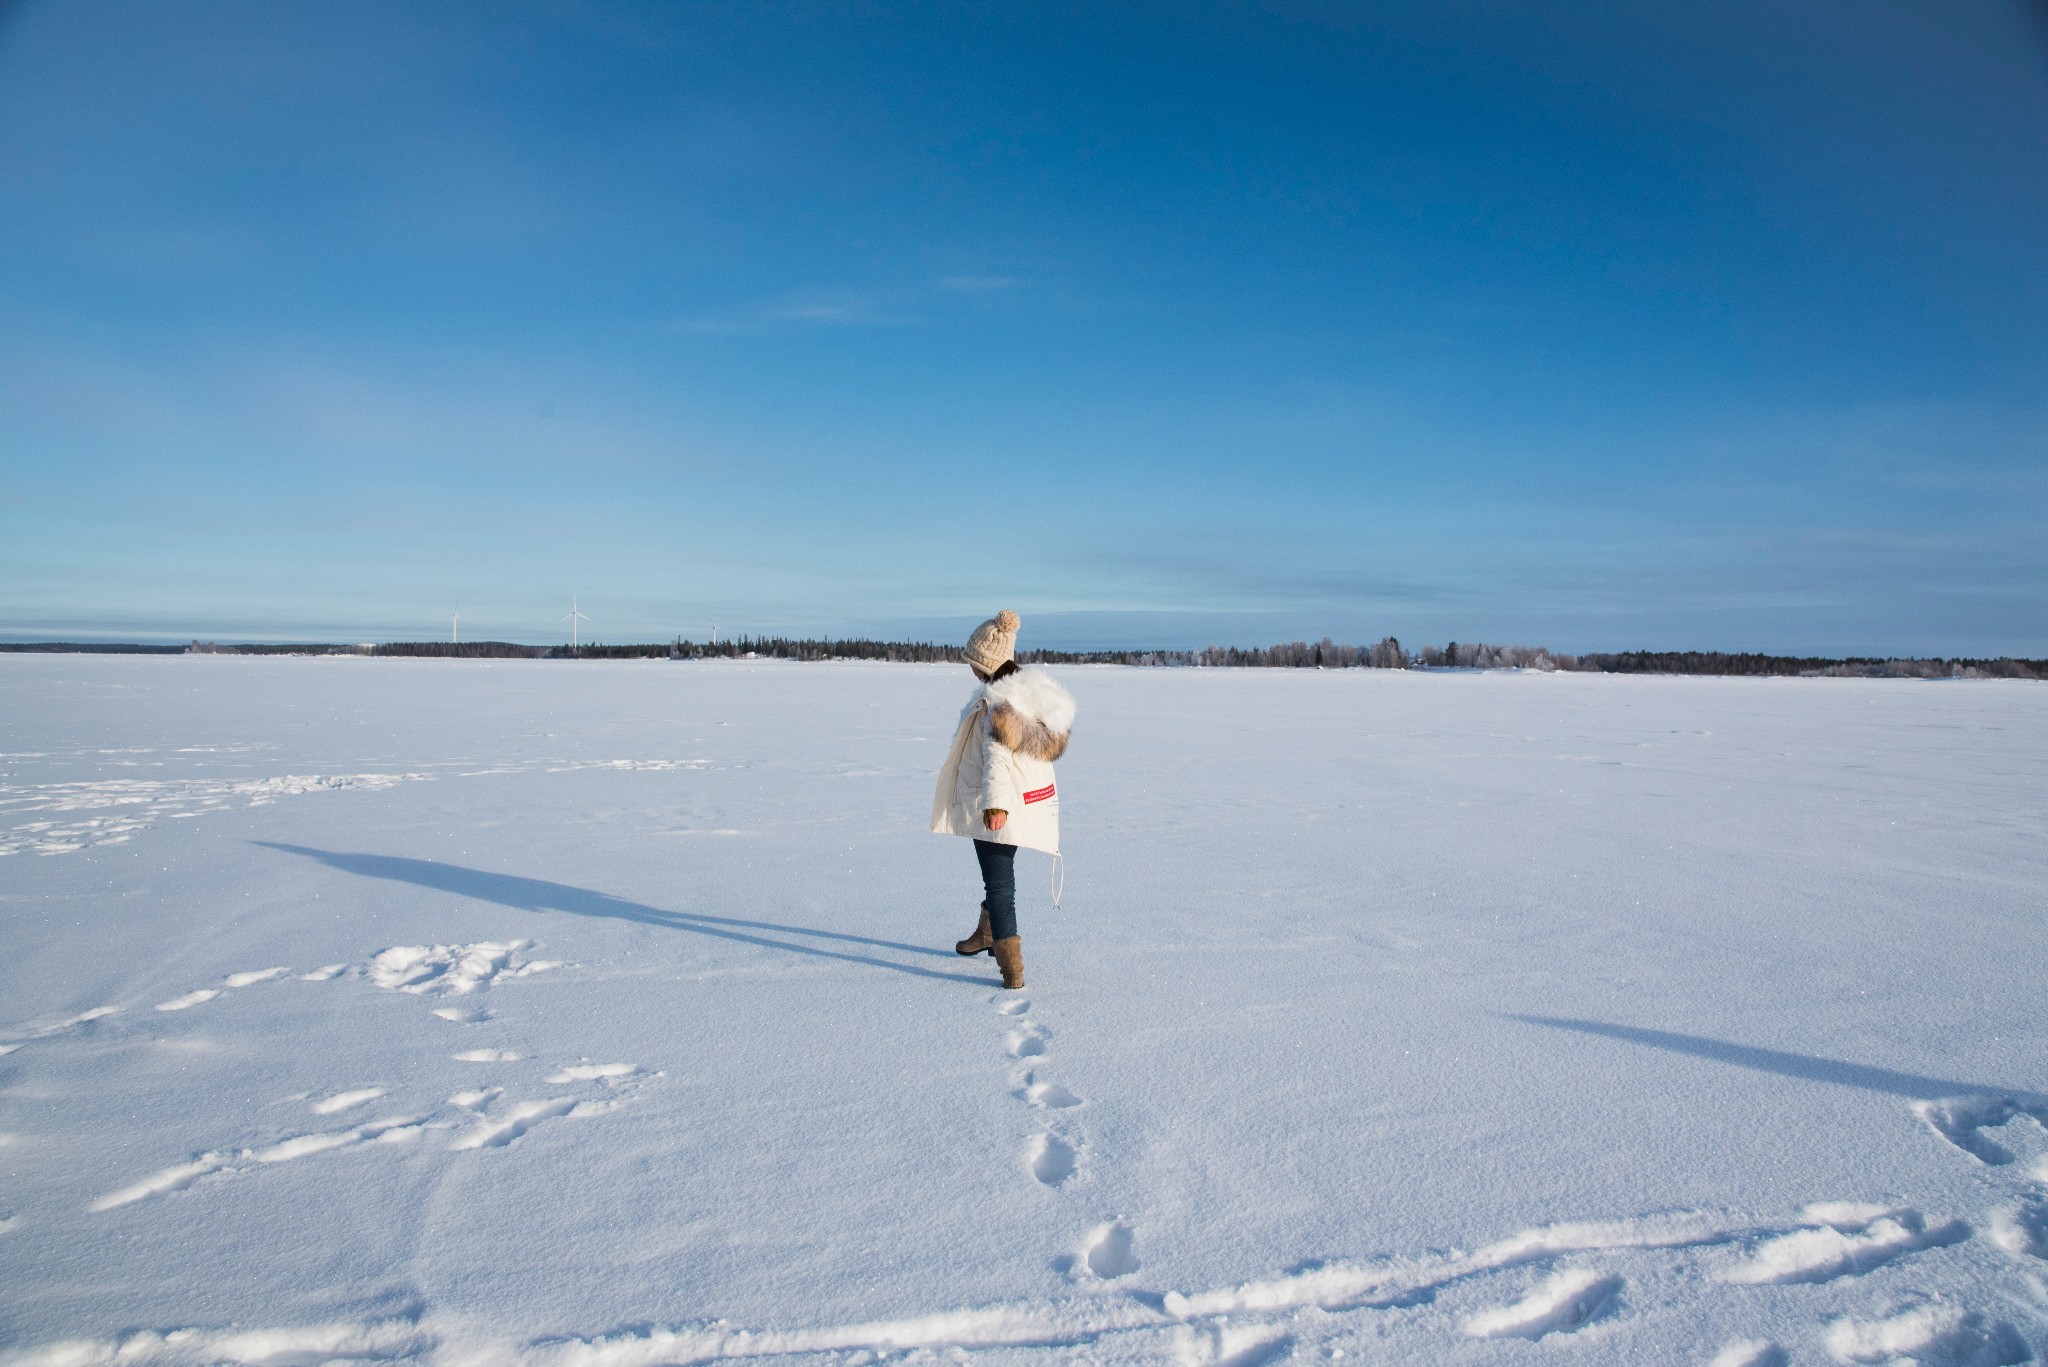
[(1001, 761), (1029, 712)]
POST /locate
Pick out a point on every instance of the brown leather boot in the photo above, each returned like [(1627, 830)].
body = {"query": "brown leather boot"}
[(1009, 952), (979, 941)]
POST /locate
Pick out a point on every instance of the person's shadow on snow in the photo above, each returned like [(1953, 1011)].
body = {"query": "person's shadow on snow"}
[(1959, 1112), (537, 894)]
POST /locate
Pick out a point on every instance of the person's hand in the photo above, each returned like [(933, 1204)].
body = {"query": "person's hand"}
[(995, 818)]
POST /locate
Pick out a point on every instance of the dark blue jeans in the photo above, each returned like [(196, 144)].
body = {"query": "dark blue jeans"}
[(998, 886)]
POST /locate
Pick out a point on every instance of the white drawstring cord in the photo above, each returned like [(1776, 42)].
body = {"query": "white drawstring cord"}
[(1059, 879)]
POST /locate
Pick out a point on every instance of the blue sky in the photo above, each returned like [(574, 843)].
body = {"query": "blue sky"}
[(1599, 326)]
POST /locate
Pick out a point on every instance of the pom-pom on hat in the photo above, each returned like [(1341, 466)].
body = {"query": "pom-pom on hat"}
[(993, 642)]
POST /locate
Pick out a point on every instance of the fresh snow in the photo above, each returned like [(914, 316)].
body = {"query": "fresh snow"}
[(605, 1015)]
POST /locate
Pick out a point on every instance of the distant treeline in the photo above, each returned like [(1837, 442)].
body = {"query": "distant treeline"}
[(1324, 654), (1857, 667), (462, 650), (87, 648), (788, 648), (271, 648)]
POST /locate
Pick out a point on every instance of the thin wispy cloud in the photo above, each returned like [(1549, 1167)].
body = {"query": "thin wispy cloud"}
[(826, 309), (978, 284), (907, 306)]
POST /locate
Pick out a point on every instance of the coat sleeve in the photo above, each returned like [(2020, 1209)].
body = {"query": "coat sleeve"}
[(998, 773), (946, 820)]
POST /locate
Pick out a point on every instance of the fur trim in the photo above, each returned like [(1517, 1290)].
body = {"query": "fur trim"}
[(1026, 735), (1030, 713)]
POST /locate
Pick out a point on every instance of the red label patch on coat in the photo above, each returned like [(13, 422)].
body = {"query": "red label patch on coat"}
[(1038, 794)]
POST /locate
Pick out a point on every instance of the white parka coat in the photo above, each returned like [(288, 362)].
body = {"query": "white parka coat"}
[(1010, 733)]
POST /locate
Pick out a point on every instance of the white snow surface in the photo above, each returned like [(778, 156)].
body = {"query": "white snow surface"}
[(605, 1015)]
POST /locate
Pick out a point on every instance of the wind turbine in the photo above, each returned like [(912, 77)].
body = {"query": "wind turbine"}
[(574, 617), (454, 627)]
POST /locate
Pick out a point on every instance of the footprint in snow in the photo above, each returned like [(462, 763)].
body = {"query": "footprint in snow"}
[(1564, 1303), (594, 1072), (1963, 1120), (342, 1101), (197, 997), (487, 1056), (1050, 1096), (1231, 1345), (453, 970), (1027, 1042), (1052, 1159), (521, 1118), (58, 1027), (1112, 1251), (2022, 1229), (1845, 1239), (1750, 1353), (1931, 1331), (1011, 1006), (200, 996)]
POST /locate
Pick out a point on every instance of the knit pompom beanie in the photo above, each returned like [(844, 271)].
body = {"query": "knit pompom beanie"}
[(993, 642)]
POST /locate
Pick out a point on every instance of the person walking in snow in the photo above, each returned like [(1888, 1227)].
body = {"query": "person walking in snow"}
[(997, 783)]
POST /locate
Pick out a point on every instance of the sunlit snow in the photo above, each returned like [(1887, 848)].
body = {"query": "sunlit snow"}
[(391, 1009)]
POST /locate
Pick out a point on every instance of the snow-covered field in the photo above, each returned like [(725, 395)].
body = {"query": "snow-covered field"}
[(604, 1015)]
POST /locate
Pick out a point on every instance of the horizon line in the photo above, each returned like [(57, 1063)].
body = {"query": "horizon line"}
[(11, 644)]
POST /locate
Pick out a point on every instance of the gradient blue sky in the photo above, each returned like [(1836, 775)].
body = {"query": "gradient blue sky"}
[(1597, 325)]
